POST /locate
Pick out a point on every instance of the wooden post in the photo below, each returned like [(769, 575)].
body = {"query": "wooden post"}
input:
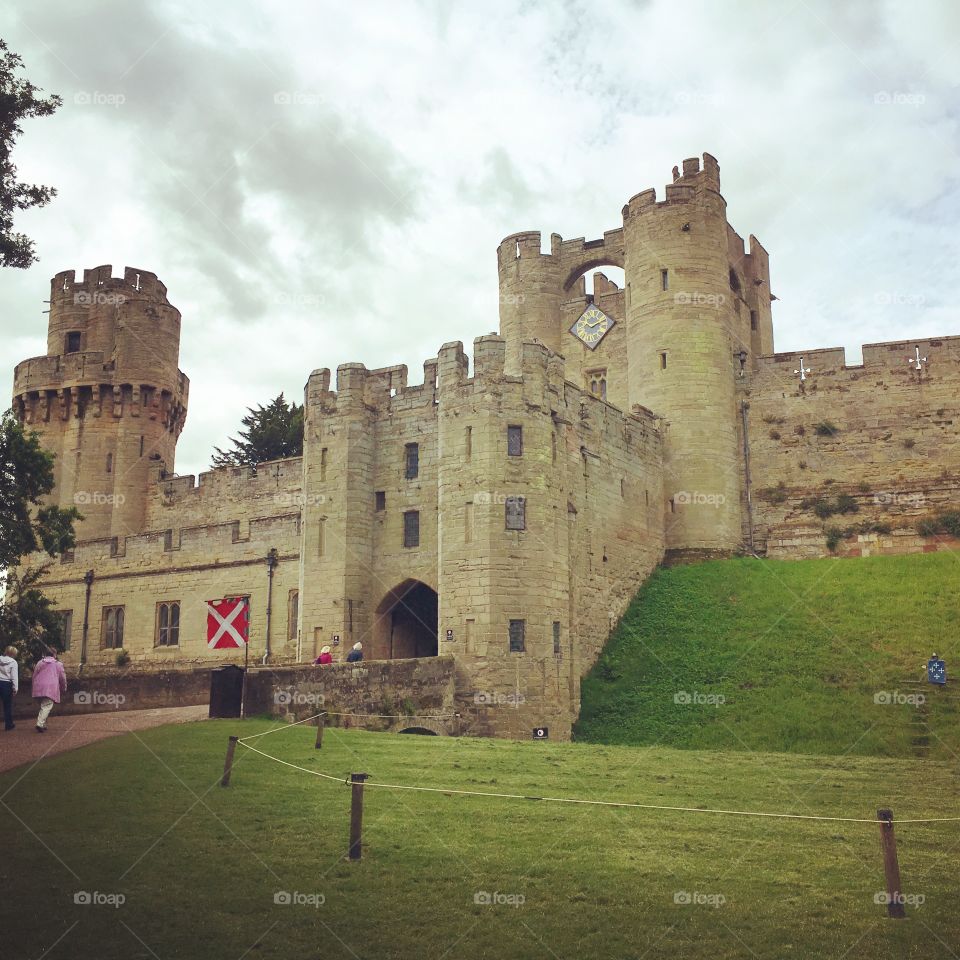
[(891, 868), (228, 762), (356, 814), (319, 744)]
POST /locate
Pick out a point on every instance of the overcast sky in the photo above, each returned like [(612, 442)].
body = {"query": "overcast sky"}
[(319, 183)]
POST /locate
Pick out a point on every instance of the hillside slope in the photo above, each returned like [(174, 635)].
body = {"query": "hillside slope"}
[(808, 657)]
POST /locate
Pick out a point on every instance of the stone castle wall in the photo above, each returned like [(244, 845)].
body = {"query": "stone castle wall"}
[(888, 438)]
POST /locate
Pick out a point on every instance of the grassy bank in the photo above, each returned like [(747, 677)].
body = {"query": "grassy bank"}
[(784, 656)]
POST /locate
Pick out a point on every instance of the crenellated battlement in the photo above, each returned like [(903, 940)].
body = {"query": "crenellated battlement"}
[(687, 185), (244, 482), (135, 284), (891, 356)]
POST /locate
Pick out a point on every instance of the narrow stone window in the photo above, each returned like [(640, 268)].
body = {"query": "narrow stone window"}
[(597, 383), (412, 460), (664, 279), (168, 624), (556, 638), (663, 360), (293, 614), (73, 342), (515, 509), (517, 636), (323, 464), (754, 323), (411, 528), (322, 537), (622, 487), (113, 627), (468, 442), (380, 501), (468, 523), (515, 441), (109, 463), (141, 446), (66, 626), (553, 447)]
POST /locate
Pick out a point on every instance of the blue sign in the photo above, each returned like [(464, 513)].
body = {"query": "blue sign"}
[(936, 671)]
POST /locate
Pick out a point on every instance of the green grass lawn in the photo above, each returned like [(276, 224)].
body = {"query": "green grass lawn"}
[(784, 656), (199, 866)]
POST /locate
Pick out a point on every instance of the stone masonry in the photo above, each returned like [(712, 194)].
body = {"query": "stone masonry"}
[(499, 516)]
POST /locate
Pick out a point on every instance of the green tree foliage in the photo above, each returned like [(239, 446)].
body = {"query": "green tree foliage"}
[(18, 101), (27, 619), (269, 433)]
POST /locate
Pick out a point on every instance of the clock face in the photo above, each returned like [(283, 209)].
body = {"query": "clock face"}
[(592, 326)]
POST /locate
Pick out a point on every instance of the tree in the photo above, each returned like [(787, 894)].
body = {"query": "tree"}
[(27, 619), (270, 433), (18, 101)]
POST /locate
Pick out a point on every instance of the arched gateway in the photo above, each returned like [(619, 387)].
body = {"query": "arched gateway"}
[(405, 623)]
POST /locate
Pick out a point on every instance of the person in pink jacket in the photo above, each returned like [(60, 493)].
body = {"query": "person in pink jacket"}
[(49, 682)]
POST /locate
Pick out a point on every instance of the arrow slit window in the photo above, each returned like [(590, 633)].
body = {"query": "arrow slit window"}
[(517, 638)]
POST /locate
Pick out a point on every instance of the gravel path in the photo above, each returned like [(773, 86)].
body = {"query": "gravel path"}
[(24, 745)]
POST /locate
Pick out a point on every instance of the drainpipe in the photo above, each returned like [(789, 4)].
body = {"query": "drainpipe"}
[(88, 580), (272, 561), (744, 407)]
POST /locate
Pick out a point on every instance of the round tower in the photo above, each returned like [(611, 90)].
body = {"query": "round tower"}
[(530, 294), (107, 399), (681, 339)]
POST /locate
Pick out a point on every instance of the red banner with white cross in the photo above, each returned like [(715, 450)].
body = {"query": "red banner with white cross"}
[(228, 623)]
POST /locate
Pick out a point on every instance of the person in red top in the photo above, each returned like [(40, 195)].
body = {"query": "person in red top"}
[(49, 682), (325, 656)]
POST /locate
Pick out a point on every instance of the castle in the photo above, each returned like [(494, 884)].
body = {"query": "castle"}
[(500, 514)]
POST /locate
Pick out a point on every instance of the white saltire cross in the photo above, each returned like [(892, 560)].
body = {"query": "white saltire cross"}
[(225, 625), (917, 361)]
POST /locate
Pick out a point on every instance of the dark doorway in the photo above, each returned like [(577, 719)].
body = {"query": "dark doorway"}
[(406, 623)]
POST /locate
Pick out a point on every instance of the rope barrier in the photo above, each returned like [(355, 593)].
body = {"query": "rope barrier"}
[(286, 726), (315, 773), (599, 803)]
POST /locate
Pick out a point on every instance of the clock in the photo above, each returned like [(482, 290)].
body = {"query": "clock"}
[(592, 326)]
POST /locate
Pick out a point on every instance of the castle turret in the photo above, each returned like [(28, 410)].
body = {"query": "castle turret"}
[(681, 339), (107, 399)]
